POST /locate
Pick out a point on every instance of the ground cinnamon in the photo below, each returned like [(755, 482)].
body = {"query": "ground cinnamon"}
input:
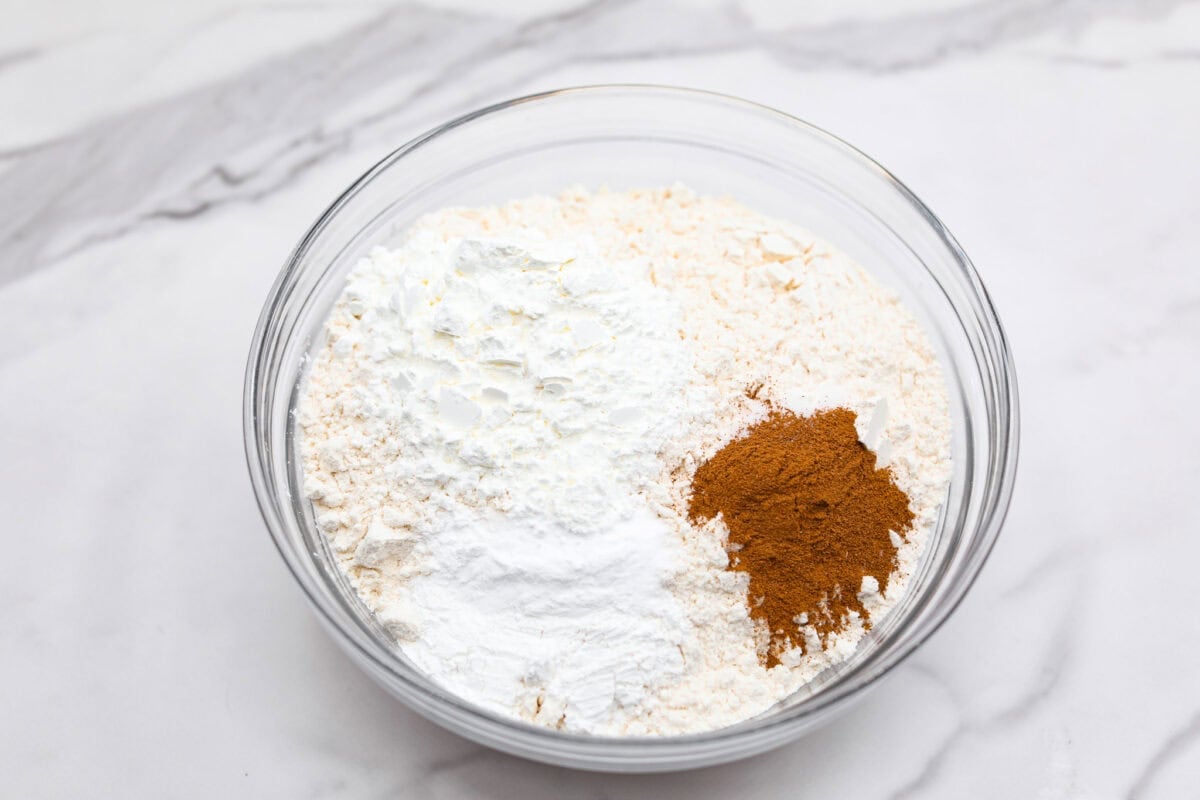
[(809, 515)]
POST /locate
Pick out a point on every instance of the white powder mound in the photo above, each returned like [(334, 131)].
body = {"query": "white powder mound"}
[(501, 428), (480, 426)]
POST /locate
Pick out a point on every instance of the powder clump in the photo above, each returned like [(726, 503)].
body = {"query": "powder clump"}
[(809, 516)]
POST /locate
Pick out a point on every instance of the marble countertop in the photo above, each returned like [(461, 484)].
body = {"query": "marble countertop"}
[(159, 160)]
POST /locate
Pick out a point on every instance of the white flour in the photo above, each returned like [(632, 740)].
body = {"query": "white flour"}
[(501, 428)]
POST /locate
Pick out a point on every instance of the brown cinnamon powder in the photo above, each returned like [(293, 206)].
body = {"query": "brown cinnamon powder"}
[(809, 516)]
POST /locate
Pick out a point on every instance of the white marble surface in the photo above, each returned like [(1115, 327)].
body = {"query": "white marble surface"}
[(157, 162)]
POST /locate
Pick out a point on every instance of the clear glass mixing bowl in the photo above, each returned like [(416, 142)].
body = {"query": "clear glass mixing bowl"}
[(625, 137)]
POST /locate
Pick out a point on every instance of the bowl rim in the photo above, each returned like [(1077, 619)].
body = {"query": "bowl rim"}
[(1002, 467)]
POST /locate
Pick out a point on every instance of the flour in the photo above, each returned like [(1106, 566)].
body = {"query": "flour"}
[(500, 430)]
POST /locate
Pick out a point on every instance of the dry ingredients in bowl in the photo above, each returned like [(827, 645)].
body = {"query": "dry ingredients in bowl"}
[(623, 463)]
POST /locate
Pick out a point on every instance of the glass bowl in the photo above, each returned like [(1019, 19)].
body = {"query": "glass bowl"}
[(643, 136)]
